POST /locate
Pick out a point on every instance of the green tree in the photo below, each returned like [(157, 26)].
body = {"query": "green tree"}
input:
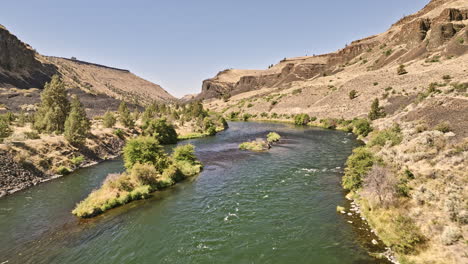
[(357, 166), (184, 153), (77, 125), (54, 107), (145, 150), (376, 111), (301, 119), (109, 120), (161, 130), (125, 117)]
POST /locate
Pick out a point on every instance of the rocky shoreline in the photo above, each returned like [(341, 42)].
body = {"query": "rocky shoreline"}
[(370, 237), (19, 175)]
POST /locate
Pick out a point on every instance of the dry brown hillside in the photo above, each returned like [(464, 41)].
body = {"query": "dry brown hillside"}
[(23, 73), (431, 44), (117, 83)]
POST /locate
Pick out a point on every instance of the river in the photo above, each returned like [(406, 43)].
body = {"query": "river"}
[(271, 207)]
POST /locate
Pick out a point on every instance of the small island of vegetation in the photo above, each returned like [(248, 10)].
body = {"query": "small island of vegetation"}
[(149, 169), (261, 144)]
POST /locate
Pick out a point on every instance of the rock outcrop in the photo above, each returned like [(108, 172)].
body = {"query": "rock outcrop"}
[(438, 29), (20, 65)]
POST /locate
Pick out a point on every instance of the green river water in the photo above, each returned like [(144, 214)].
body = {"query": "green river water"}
[(273, 207)]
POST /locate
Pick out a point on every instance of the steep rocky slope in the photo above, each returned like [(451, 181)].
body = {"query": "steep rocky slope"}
[(20, 65), (437, 30)]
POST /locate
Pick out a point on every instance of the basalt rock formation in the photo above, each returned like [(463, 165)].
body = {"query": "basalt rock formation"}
[(20, 65), (438, 29)]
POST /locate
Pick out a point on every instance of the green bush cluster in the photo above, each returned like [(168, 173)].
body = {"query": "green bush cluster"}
[(160, 129), (273, 137), (257, 145), (148, 169), (392, 135), (301, 119), (109, 120), (357, 166)]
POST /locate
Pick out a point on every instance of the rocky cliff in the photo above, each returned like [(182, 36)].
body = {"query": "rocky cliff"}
[(437, 30), (20, 65)]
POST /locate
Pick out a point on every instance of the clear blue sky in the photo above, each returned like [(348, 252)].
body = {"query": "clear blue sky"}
[(179, 43)]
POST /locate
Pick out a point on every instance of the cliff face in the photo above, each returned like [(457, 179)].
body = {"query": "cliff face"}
[(21, 66), (438, 29)]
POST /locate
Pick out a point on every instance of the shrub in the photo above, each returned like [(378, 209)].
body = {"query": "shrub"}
[(125, 117), (5, 130), (273, 137), (54, 107), (62, 170), (443, 127), (357, 166), (77, 125), (109, 120), (301, 119), (161, 130), (380, 138), (274, 102), (233, 115), (246, 117), (362, 127), (376, 83), (258, 145), (184, 153), (249, 105), (329, 123), (402, 187), (119, 132), (401, 70), (450, 235), (376, 111), (144, 150), (31, 135), (447, 77), (460, 87), (407, 235), (78, 160), (352, 94), (144, 174), (296, 91)]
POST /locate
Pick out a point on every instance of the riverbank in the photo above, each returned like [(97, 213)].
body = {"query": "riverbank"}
[(25, 162), (240, 198)]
